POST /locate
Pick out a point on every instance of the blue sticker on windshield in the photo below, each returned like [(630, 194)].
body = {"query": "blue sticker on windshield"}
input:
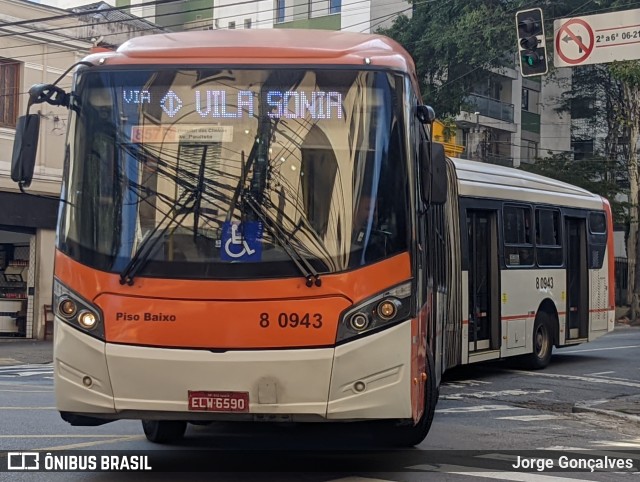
[(241, 242)]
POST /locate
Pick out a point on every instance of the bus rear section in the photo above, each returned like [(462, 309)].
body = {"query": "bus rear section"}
[(537, 264), (236, 242)]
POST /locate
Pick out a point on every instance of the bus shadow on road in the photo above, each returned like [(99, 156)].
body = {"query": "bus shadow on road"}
[(481, 371), (285, 436)]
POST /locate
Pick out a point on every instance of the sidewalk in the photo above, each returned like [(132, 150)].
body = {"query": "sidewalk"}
[(24, 352)]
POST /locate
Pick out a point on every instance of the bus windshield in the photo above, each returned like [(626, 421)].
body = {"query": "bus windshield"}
[(195, 171)]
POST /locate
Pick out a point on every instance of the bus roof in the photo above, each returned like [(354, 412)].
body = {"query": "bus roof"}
[(261, 46), (479, 179)]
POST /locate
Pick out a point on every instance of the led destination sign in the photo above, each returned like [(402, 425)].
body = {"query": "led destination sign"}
[(239, 104)]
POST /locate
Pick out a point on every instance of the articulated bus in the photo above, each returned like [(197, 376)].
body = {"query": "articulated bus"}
[(533, 265), (255, 226)]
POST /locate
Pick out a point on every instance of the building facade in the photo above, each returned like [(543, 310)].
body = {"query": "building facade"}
[(510, 120), (38, 52)]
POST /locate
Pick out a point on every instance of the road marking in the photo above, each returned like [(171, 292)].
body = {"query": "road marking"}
[(477, 408), (514, 476), (465, 383), (598, 349), (597, 374), (501, 393), (531, 418), (27, 408), (26, 372), (613, 443), (38, 366), (92, 444), (606, 381)]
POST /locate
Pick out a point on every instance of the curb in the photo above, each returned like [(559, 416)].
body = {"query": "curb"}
[(583, 407)]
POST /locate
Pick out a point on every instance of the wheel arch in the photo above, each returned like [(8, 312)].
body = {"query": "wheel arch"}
[(549, 307)]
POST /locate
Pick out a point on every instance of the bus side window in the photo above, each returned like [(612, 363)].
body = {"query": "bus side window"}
[(518, 240), (548, 240)]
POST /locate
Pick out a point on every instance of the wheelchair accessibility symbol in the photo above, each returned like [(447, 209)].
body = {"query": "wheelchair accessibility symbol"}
[(241, 242)]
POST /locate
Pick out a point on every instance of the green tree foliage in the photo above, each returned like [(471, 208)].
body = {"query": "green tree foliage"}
[(452, 43), (628, 74), (589, 174)]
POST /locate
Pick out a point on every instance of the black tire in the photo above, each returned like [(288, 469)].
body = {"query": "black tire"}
[(410, 435), (162, 432), (542, 342)]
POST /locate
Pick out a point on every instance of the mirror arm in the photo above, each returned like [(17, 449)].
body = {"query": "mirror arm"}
[(50, 93)]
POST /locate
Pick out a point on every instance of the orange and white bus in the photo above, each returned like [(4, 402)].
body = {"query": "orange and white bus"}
[(535, 262), (255, 226)]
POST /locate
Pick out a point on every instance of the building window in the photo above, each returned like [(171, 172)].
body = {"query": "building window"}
[(232, 25), (247, 23), (582, 108), (525, 99), (335, 6), (582, 149), (9, 89), (279, 11)]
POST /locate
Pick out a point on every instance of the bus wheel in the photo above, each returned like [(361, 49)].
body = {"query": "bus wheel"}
[(408, 436), (542, 342), (162, 432)]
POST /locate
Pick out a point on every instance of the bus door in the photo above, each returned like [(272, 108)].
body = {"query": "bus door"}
[(577, 319), (484, 278)]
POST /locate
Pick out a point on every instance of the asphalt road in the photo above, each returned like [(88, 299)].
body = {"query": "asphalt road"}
[(486, 410)]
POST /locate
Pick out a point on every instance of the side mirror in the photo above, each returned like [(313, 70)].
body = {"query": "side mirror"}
[(425, 114), (434, 173), (25, 148)]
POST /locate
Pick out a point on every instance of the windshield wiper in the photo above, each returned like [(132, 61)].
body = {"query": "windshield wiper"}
[(308, 271), (147, 246)]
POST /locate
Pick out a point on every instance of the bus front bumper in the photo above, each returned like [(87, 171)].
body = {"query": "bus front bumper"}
[(368, 378)]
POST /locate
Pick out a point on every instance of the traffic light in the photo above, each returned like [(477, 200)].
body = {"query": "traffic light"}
[(531, 42)]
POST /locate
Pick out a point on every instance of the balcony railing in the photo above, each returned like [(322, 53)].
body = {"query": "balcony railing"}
[(490, 107)]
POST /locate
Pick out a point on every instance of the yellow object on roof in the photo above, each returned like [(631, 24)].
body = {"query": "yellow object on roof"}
[(451, 149)]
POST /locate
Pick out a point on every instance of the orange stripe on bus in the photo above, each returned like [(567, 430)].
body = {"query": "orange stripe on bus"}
[(560, 313), (227, 314)]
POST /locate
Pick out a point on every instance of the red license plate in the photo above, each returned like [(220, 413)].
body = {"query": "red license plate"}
[(219, 401)]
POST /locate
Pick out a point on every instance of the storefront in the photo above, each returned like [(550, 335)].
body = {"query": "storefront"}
[(27, 238), (15, 281)]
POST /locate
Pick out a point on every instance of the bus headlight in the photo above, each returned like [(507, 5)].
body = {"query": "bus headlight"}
[(87, 320), (359, 322), (67, 308), (71, 308), (388, 308), (376, 313)]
